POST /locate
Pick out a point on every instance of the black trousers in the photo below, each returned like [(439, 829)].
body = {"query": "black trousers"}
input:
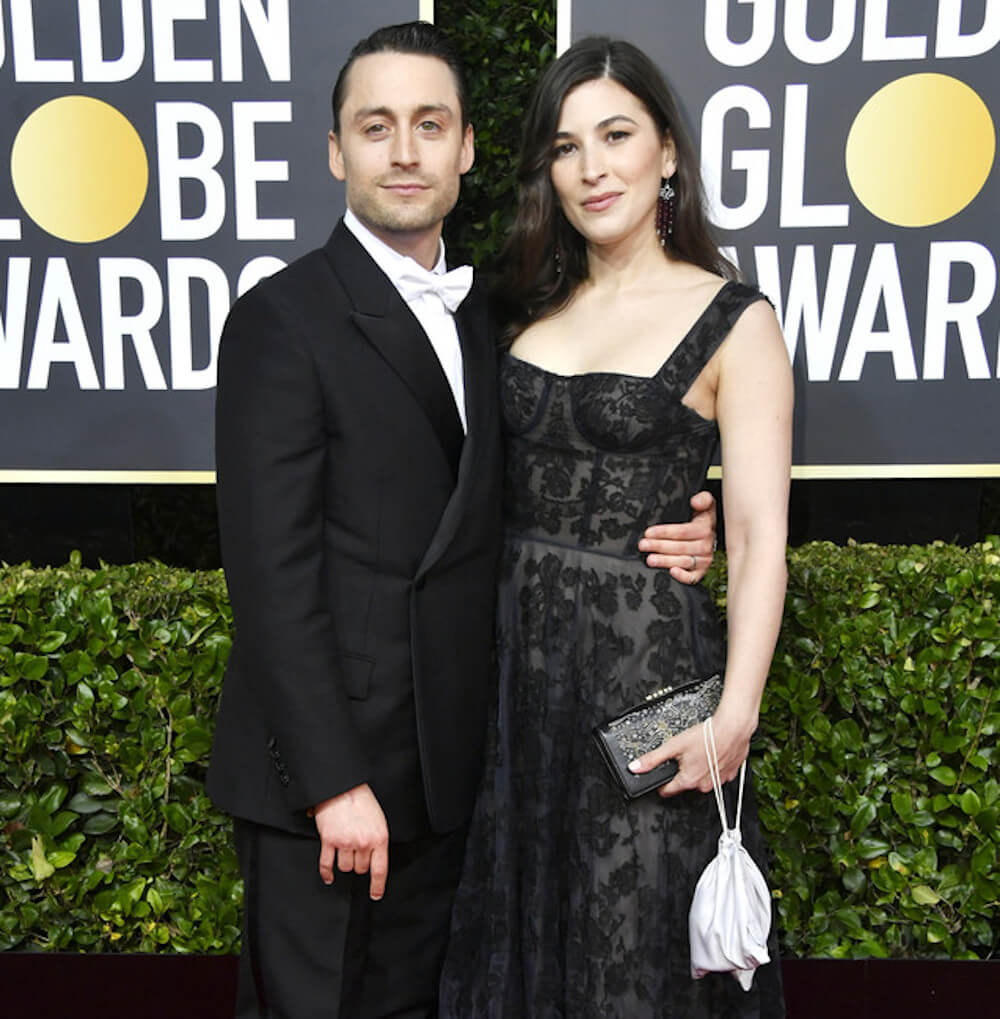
[(311, 950)]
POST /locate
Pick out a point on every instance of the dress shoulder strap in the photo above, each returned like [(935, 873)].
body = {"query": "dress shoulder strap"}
[(709, 331)]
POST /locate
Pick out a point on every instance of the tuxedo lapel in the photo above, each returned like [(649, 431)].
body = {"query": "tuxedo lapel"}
[(388, 324), (479, 362)]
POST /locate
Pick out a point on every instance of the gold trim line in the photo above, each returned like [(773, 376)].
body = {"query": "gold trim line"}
[(809, 472), (800, 472), (108, 477)]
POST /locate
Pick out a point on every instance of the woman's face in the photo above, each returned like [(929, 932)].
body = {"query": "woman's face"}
[(608, 159)]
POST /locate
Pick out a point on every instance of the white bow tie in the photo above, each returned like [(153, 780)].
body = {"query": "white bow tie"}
[(450, 287)]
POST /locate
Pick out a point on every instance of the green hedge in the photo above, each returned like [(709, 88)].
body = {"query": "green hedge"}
[(108, 684), (504, 45), (875, 775), (879, 779)]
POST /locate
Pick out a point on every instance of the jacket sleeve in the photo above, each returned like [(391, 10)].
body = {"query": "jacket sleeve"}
[(271, 454)]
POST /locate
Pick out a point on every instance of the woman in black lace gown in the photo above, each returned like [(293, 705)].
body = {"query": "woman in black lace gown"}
[(631, 354)]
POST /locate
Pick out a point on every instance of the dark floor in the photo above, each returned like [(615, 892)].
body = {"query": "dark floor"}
[(50, 986)]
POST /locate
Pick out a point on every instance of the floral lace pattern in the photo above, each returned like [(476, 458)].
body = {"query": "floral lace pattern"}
[(574, 902)]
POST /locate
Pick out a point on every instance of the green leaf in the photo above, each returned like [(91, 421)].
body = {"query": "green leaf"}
[(872, 848), (10, 804), (100, 824), (84, 804), (32, 666), (818, 726), (196, 740), (49, 641), (898, 864), (944, 775), (863, 817), (10, 632), (78, 740), (53, 797), (177, 817), (924, 895), (95, 785), (848, 733), (902, 804), (155, 901), (40, 866), (135, 828), (971, 803), (61, 822)]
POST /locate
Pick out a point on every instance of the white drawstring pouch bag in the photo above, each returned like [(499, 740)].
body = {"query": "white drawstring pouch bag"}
[(730, 916)]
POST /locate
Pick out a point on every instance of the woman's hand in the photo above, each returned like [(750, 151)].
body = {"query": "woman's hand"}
[(732, 742)]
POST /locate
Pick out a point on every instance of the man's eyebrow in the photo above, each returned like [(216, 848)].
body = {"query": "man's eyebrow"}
[(607, 122), (434, 108), (374, 111), (420, 111)]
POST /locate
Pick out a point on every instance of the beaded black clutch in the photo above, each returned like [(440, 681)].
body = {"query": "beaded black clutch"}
[(643, 728)]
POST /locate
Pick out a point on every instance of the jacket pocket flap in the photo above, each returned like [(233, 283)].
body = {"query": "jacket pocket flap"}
[(356, 673)]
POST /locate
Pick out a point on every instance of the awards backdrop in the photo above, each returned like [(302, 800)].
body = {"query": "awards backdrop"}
[(158, 158), (848, 149)]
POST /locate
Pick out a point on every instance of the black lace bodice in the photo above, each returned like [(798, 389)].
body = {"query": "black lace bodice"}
[(593, 459)]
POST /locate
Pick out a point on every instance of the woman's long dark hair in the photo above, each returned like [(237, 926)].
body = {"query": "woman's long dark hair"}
[(545, 259)]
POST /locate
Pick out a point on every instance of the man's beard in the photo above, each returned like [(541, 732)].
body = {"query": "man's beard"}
[(398, 217)]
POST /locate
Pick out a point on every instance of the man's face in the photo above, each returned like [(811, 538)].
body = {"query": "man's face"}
[(401, 148)]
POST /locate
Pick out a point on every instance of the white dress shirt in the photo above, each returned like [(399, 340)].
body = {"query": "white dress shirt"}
[(429, 310)]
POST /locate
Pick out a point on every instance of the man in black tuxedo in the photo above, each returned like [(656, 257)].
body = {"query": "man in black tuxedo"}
[(358, 457)]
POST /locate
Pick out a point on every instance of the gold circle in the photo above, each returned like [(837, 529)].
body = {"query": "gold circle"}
[(920, 150), (79, 169)]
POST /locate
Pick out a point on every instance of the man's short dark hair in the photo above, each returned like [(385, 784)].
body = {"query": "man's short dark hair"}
[(420, 38)]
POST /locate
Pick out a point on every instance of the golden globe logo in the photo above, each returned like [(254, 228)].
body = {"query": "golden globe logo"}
[(919, 150), (79, 169), (82, 173)]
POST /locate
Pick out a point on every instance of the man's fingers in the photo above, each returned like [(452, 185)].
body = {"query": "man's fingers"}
[(676, 562), (379, 871), (697, 544), (702, 501), (345, 860), (683, 574), (675, 536), (326, 858)]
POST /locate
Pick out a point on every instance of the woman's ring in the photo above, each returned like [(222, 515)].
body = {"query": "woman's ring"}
[(694, 562)]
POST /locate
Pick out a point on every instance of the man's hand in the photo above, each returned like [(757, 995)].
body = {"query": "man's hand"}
[(686, 549), (354, 835)]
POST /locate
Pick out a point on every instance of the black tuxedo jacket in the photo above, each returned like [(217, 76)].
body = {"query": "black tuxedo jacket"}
[(360, 538)]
